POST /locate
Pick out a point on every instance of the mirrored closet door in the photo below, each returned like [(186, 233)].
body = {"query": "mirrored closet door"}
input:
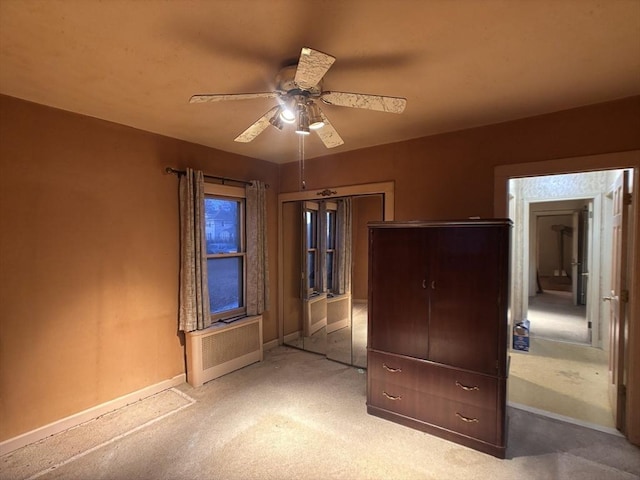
[(324, 268)]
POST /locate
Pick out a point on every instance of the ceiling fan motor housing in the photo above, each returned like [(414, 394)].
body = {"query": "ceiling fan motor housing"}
[(285, 82)]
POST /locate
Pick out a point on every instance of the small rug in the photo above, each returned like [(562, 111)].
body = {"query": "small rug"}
[(32, 461)]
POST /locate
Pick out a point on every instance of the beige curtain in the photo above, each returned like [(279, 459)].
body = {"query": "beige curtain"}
[(194, 312), (257, 300), (343, 247)]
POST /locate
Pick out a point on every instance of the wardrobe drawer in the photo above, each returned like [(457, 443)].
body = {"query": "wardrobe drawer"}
[(434, 380), (391, 368), (469, 420), (460, 386), (393, 397)]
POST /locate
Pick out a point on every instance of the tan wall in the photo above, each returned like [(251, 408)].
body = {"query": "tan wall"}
[(89, 260)]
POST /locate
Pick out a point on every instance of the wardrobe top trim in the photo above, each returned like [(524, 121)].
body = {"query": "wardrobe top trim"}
[(442, 223)]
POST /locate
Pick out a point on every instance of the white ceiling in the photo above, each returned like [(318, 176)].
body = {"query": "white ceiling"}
[(459, 63)]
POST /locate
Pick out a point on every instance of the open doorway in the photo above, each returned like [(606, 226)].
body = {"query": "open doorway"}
[(623, 373), (561, 273)]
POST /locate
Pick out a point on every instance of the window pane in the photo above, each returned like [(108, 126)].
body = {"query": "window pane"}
[(225, 283), (222, 225), (311, 270), (310, 220), (330, 271)]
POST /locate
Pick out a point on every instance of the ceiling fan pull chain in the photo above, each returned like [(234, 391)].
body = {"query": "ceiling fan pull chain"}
[(303, 184)]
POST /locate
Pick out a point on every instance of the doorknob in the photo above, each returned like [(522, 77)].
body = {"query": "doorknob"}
[(606, 299)]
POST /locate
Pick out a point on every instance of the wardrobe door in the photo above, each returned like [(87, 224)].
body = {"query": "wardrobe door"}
[(398, 301), (467, 273)]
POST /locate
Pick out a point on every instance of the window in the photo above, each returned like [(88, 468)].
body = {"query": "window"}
[(226, 250)]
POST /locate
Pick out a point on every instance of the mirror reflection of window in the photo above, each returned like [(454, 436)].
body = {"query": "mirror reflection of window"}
[(310, 215), (345, 332), (330, 244)]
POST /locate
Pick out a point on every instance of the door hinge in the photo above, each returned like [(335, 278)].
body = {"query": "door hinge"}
[(589, 325), (627, 199), (624, 296)]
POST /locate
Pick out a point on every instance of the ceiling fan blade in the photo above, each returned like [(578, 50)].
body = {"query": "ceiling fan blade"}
[(328, 134), (231, 96), (257, 127), (312, 66), (361, 100)]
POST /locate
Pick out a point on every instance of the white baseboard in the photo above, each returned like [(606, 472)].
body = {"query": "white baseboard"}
[(66, 423)]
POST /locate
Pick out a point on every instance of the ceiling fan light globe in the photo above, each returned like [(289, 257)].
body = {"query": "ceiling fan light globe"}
[(287, 116), (315, 119)]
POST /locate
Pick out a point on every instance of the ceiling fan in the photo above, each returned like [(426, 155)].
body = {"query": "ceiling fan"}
[(298, 88)]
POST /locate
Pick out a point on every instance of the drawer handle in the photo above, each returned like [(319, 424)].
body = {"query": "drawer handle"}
[(467, 389), (392, 397), (467, 419), (391, 369)]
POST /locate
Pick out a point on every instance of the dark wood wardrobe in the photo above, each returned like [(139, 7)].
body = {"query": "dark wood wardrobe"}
[(437, 338)]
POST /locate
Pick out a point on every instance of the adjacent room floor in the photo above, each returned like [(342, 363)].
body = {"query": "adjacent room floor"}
[(561, 374), (563, 379)]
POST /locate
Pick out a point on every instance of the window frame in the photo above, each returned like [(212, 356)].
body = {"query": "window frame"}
[(237, 194)]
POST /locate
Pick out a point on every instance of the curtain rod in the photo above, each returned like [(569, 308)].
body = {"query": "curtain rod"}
[(214, 177)]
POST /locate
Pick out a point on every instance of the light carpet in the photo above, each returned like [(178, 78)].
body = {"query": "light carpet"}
[(297, 415)]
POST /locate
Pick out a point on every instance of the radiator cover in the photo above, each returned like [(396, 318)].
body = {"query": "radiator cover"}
[(315, 314), (338, 312), (223, 348)]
